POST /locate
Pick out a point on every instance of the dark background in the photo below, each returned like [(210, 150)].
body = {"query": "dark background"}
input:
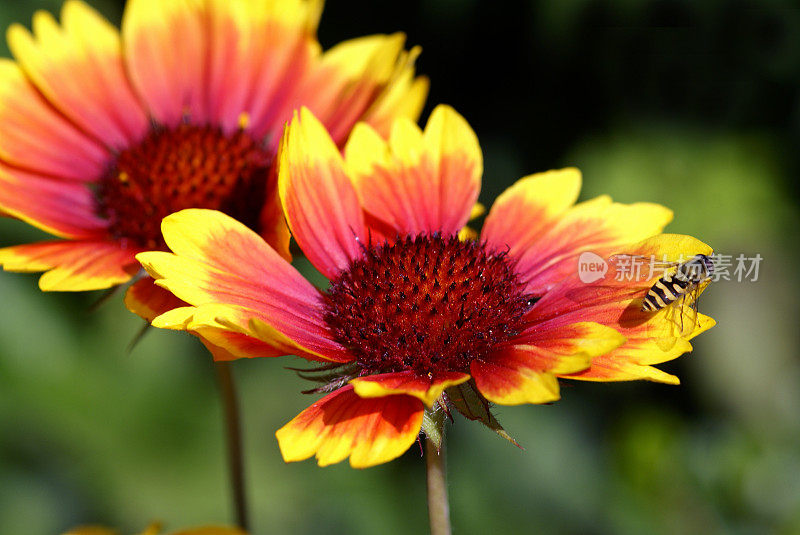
[(690, 104)]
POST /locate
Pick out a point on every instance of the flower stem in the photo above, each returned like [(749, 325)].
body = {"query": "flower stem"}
[(438, 505), (233, 439)]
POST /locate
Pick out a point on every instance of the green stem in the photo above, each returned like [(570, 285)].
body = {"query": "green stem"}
[(438, 505), (233, 439)]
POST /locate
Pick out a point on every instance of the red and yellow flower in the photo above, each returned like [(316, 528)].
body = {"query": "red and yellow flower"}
[(106, 132), (418, 315)]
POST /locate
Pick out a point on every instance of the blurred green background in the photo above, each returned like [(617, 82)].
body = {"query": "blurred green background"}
[(691, 104)]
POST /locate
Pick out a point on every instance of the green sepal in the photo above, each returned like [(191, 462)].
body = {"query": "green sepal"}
[(473, 406), (433, 425)]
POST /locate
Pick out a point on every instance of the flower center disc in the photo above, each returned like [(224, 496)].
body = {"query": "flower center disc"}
[(426, 303), (183, 167)]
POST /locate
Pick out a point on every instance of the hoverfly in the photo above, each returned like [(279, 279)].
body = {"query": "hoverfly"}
[(679, 290)]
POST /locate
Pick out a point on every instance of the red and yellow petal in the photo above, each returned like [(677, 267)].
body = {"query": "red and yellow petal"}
[(39, 139), (418, 182), (225, 345), (508, 385), (312, 348), (72, 265), (320, 204), (79, 68), (525, 210), (563, 349), (644, 348), (219, 261), (614, 367), (165, 53), (425, 388), (370, 431), (616, 301), (599, 226), (224, 331), (404, 97), (350, 77), (259, 56), (148, 301), (64, 209), (536, 222), (526, 372), (295, 328), (273, 225)]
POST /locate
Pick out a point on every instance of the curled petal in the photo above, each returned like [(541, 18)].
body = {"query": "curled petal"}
[(370, 431), (426, 389), (219, 261), (227, 345), (223, 330), (148, 301), (616, 368)]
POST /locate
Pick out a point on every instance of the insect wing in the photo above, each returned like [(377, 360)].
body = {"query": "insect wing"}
[(686, 313), (681, 317), (668, 332)]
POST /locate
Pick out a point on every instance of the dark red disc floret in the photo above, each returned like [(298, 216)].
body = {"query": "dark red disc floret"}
[(188, 166), (427, 303)]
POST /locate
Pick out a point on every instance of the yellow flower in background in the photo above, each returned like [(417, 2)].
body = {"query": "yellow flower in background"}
[(106, 132), (417, 318)]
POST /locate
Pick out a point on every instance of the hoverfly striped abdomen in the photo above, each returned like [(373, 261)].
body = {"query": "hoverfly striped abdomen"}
[(686, 278)]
